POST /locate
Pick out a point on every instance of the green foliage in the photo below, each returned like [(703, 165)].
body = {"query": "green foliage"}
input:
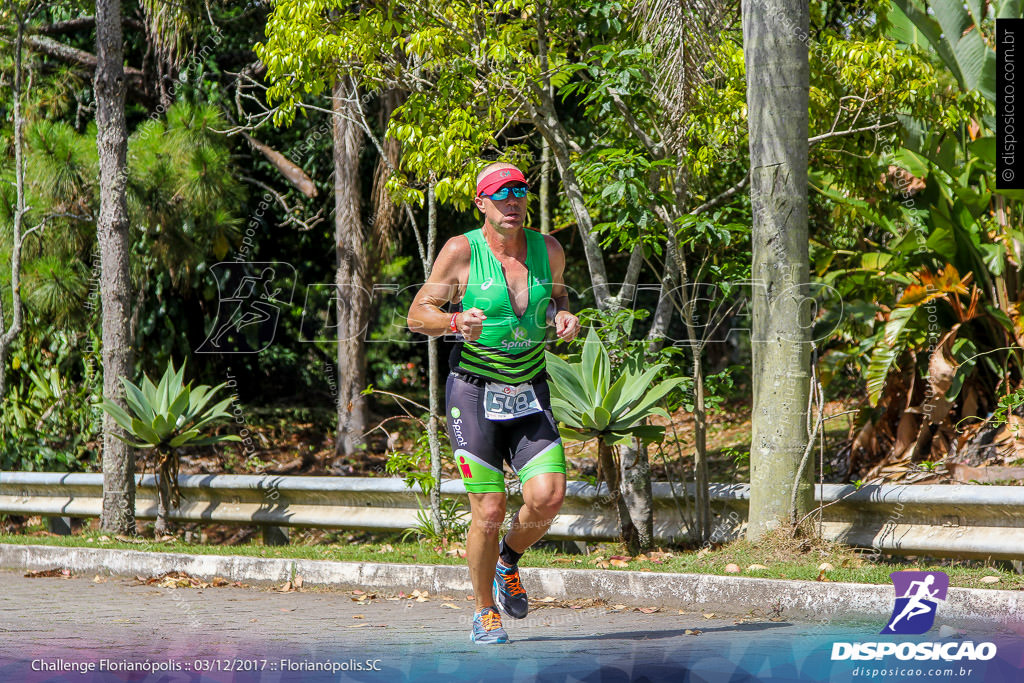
[(183, 191), (454, 522), (170, 414), (48, 422), (1009, 404), (618, 330), (591, 400), (166, 417), (414, 466)]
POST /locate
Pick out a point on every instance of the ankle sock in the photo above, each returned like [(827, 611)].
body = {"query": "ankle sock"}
[(508, 556)]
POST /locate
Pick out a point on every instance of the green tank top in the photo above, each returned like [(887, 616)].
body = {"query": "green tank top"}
[(510, 349)]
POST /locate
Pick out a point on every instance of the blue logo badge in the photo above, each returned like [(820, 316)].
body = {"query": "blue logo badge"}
[(916, 599)]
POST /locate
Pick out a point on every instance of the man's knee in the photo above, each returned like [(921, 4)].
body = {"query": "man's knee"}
[(550, 505), (489, 512), (546, 500)]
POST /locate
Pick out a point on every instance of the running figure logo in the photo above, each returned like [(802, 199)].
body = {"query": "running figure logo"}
[(916, 596), (247, 316)]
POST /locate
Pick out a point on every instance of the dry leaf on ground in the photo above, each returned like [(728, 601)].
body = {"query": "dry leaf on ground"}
[(47, 573)]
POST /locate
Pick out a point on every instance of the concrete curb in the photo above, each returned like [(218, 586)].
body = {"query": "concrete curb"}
[(803, 600)]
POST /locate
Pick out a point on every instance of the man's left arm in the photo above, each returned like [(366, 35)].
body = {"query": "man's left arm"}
[(567, 325)]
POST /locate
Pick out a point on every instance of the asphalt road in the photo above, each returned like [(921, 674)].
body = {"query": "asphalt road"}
[(51, 629)]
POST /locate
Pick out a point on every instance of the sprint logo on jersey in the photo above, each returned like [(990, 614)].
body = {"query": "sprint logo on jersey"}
[(520, 340), (913, 613)]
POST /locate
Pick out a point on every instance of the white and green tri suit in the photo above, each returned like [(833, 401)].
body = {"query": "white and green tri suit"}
[(499, 405)]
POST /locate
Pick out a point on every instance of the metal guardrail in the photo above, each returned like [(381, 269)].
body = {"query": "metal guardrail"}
[(936, 520)]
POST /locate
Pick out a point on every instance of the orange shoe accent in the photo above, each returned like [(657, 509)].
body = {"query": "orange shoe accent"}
[(513, 584), (490, 620)]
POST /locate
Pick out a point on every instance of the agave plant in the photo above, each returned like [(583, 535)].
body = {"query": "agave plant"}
[(168, 416), (590, 403)]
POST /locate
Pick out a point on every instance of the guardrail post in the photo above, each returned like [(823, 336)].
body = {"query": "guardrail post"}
[(59, 525), (572, 547), (275, 535)]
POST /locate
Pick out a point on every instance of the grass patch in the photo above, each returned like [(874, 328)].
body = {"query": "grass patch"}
[(781, 557)]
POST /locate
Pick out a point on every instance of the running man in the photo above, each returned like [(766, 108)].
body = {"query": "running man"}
[(505, 286), (914, 606)]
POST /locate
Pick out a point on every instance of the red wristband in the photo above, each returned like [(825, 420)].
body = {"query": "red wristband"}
[(451, 323)]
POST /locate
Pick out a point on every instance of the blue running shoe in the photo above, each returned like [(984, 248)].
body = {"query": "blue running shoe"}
[(487, 628), (509, 593)]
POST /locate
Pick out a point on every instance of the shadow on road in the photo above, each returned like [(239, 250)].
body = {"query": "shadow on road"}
[(655, 635)]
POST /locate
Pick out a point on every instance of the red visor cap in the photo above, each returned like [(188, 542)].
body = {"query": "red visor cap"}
[(493, 181)]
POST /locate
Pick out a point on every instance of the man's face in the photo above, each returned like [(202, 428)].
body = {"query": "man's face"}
[(504, 214)]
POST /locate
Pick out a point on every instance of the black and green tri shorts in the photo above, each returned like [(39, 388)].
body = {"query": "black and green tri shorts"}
[(530, 444)]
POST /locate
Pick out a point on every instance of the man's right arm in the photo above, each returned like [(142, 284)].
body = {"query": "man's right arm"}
[(425, 314)]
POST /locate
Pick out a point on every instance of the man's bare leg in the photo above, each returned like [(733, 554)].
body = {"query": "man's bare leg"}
[(542, 499), (488, 512)]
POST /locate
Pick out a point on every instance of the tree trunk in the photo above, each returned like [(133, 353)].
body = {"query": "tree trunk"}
[(546, 120), (8, 336), (163, 489), (700, 447), (434, 402), (627, 530), (118, 514), (636, 492), (351, 278), (777, 105), (545, 187)]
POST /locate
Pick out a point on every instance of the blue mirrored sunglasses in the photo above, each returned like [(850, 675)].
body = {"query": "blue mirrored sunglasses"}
[(518, 192)]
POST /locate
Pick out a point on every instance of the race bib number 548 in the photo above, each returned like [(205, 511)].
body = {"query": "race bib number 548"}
[(507, 402)]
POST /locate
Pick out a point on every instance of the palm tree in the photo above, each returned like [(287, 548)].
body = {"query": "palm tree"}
[(778, 82)]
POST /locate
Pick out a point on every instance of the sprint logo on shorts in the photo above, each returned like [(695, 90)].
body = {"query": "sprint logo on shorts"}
[(913, 613), (457, 426)]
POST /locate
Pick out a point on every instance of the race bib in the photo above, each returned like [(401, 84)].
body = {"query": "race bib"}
[(507, 402)]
